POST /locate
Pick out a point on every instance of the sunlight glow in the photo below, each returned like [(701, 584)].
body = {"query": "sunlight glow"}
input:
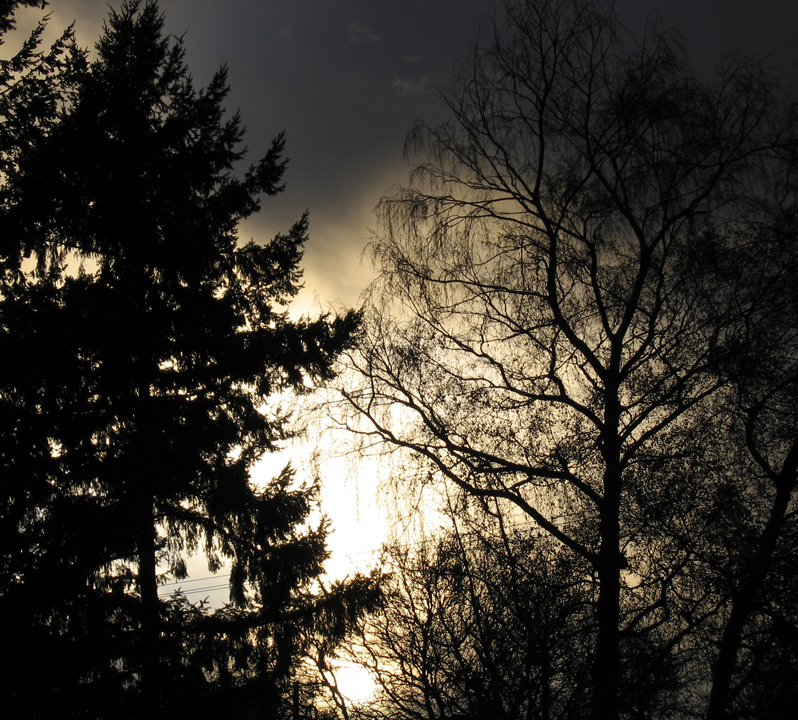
[(355, 682)]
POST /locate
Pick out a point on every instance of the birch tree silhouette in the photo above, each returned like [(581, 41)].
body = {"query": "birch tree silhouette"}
[(550, 313)]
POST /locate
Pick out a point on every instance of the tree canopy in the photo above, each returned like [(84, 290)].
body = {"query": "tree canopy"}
[(581, 313), (143, 341)]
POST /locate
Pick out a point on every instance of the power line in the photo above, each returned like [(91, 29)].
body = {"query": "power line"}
[(202, 579), (208, 588)]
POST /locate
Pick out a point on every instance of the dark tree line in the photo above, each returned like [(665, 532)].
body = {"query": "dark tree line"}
[(140, 341), (586, 314)]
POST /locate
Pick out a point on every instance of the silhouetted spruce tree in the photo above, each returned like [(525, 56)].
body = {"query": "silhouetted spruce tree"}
[(148, 342), (35, 82)]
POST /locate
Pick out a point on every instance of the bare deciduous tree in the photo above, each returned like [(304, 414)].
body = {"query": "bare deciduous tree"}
[(548, 309), (488, 619)]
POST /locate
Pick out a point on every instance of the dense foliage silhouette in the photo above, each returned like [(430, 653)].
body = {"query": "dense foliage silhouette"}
[(141, 343)]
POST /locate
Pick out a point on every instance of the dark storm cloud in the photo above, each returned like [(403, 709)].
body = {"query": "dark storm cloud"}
[(338, 76), (347, 78), (763, 31)]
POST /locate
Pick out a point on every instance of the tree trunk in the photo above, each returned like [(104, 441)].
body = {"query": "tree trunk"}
[(149, 630), (607, 664)]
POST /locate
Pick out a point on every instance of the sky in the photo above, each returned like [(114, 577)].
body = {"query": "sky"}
[(345, 80)]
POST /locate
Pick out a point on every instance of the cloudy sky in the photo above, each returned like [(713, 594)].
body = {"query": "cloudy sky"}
[(347, 78)]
